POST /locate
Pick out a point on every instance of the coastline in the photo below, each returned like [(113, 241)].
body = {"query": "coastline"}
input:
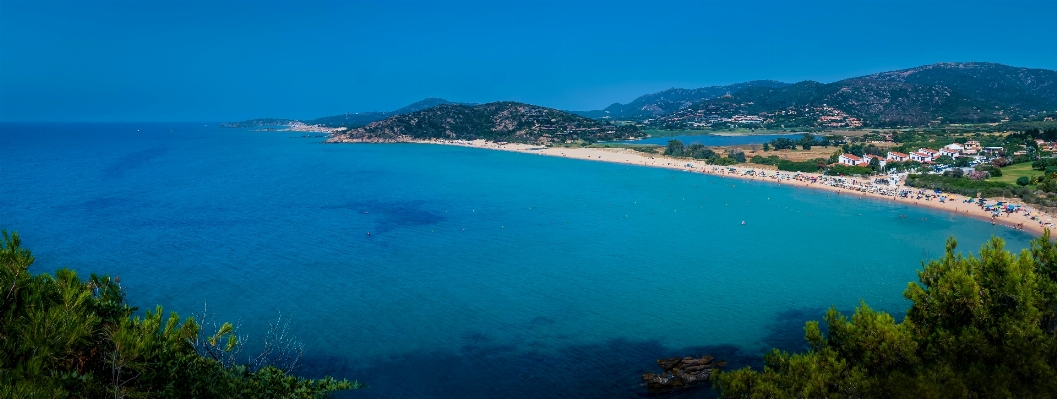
[(954, 203)]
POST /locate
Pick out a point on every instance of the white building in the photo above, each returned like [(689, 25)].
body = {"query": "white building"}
[(849, 159), (880, 161), (921, 157), (930, 152), (949, 152), (898, 156)]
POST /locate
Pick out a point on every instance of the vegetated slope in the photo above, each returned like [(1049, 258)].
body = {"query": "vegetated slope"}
[(359, 119), (498, 121), (1028, 89), (351, 120), (668, 101), (947, 92)]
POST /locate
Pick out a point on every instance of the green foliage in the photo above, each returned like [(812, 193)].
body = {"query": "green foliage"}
[(675, 148), (783, 143), (699, 151), (809, 166), (725, 161), (990, 169), (499, 121), (847, 170), (1044, 163), (963, 186), (1023, 181), (771, 160), (766, 146), (978, 327), (738, 156), (61, 336), (945, 160)]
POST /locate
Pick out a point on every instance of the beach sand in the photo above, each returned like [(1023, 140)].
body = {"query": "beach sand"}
[(954, 203)]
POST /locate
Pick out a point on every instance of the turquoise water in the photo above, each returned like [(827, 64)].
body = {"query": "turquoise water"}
[(486, 273)]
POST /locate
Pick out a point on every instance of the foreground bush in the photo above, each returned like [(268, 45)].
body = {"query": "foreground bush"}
[(63, 337), (979, 327)]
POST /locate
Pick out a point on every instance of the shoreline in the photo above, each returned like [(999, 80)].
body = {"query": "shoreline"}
[(841, 185)]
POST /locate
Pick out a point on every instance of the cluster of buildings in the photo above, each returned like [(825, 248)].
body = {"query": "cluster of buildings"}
[(854, 160), (922, 155), (832, 117)]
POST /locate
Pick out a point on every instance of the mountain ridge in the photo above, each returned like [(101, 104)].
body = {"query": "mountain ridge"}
[(349, 120), (504, 121)]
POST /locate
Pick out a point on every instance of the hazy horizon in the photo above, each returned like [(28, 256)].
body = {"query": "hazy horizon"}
[(194, 62)]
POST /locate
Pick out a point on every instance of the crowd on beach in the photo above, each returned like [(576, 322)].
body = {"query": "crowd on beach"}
[(890, 186)]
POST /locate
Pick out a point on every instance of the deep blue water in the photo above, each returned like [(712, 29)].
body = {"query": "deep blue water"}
[(486, 273), (712, 140)]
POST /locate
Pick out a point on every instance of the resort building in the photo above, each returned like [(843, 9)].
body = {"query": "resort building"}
[(930, 152), (921, 157), (849, 159), (880, 161), (949, 152), (898, 156), (971, 147), (955, 147)]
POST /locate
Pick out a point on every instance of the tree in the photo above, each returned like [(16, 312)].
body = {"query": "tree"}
[(783, 143), (61, 336), (1023, 181), (737, 155), (875, 165), (698, 151), (766, 146), (945, 160), (675, 148), (982, 327), (807, 140)]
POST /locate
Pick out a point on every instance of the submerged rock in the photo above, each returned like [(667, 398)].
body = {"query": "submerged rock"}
[(680, 373)]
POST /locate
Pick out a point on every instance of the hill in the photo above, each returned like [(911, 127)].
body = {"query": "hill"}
[(932, 94), (671, 100), (350, 120), (359, 119), (498, 121), (969, 92)]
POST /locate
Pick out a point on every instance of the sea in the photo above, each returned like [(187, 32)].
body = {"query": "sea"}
[(431, 271)]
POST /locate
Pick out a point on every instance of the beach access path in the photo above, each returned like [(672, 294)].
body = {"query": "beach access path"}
[(847, 186)]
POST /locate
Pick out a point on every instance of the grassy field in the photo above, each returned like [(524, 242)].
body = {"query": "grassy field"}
[(1011, 173)]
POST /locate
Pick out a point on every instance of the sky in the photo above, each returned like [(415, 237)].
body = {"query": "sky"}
[(148, 60)]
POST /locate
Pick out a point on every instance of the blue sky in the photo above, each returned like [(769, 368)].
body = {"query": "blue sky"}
[(219, 61)]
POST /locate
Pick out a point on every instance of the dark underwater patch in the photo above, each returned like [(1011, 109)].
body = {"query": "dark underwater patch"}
[(391, 215), (134, 160)]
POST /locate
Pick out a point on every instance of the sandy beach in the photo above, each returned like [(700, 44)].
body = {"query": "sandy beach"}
[(862, 188)]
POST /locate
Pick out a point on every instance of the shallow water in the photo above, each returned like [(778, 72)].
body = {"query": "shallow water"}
[(486, 273)]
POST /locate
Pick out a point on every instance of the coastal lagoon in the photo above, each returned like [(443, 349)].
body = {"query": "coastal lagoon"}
[(484, 274), (714, 140)]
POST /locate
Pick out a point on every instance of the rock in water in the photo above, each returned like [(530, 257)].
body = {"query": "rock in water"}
[(681, 373)]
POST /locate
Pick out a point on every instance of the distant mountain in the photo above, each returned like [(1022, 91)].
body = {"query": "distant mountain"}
[(945, 92), (260, 122), (498, 121), (1028, 89), (350, 120), (671, 100)]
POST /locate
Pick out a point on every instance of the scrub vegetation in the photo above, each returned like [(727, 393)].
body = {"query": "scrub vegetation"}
[(64, 337), (980, 326)]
